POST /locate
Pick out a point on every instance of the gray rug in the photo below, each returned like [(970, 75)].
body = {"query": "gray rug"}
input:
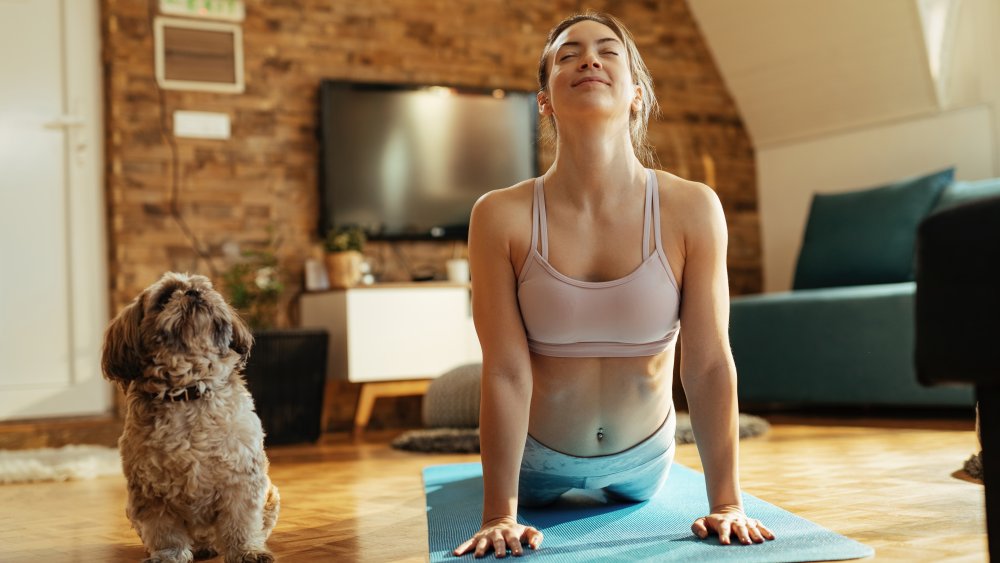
[(466, 440), (974, 466)]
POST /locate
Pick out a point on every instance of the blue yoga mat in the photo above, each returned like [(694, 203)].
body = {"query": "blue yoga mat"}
[(583, 526)]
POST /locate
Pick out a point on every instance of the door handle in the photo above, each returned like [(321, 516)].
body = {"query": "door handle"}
[(65, 122)]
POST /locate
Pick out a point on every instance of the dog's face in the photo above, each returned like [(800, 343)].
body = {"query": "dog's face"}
[(172, 330)]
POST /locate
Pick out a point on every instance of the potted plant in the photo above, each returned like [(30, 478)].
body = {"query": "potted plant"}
[(344, 256), (254, 287), (286, 371)]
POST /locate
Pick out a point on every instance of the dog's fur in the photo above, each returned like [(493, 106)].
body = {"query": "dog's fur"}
[(196, 469)]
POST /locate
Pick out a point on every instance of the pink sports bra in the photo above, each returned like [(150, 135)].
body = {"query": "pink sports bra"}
[(637, 315)]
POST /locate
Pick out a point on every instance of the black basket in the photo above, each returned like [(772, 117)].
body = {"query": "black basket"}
[(286, 374)]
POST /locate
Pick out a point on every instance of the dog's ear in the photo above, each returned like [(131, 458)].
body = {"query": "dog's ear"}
[(120, 359), (242, 339)]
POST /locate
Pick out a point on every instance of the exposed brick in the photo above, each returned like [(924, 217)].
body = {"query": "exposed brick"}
[(267, 173)]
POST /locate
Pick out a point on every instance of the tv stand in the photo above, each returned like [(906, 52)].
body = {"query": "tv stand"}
[(393, 338)]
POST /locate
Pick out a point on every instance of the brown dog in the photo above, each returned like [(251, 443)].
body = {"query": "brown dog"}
[(193, 447)]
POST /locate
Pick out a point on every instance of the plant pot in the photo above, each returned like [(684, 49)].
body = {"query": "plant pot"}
[(344, 268), (286, 375)]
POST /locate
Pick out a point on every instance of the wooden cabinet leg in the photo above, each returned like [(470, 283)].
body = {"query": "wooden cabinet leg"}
[(376, 389), (366, 400)]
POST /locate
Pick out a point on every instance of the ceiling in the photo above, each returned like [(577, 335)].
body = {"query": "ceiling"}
[(800, 69)]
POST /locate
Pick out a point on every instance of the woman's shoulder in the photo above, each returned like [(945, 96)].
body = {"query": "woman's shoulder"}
[(504, 206), (673, 185), (692, 199)]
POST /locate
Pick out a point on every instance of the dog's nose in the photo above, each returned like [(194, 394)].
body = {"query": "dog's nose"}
[(193, 293)]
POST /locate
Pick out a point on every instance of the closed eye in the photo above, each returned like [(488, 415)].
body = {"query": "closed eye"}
[(567, 56)]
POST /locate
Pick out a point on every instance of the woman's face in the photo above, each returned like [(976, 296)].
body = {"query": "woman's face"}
[(589, 74)]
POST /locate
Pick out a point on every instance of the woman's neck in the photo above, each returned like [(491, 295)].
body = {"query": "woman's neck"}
[(593, 166)]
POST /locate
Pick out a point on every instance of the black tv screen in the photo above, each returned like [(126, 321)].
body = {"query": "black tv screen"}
[(410, 162)]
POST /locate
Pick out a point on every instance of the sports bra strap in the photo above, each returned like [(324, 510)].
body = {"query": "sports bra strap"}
[(534, 216), (654, 186), (647, 204), (540, 211)]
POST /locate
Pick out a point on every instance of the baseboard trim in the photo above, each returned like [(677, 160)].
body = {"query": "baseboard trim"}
[(100, 430)]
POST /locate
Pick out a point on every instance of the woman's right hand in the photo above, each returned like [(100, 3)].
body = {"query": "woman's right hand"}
[(499, 534)]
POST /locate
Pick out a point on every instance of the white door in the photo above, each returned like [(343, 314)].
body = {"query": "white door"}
[(53, 303)]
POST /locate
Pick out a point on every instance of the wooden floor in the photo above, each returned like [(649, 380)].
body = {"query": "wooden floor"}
[(888, 483)]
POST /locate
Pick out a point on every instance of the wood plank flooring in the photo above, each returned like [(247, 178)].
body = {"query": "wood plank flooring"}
[(891, 484)]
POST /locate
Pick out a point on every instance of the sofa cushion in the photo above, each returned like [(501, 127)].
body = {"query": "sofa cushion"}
[(866, 236), (961, 192), (832, 346)]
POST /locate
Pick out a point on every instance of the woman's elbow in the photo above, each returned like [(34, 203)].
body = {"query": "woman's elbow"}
[(506, 379), (719, 374)]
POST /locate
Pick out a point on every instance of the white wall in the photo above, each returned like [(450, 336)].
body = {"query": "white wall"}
[(986, 15), (788, 175), (839, 95), (967, 137), (803, 68)]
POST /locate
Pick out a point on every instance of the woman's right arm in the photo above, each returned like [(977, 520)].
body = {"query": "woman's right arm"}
[(506, 377)]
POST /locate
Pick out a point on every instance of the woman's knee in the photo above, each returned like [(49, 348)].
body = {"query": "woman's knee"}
[(537, 499), (538, 489), (641, 486), (633, 493)]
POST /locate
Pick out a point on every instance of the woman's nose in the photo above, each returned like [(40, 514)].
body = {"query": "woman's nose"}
[(590, 60)]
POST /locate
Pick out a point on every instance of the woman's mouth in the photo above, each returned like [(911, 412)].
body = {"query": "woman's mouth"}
[(588, 80)]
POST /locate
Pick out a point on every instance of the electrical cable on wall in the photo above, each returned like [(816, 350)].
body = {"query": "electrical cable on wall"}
[(174, 204)]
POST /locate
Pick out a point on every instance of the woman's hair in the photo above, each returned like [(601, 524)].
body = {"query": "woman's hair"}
[(638, 120)]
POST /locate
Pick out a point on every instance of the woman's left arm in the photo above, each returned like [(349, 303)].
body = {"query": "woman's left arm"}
[(707, 370)]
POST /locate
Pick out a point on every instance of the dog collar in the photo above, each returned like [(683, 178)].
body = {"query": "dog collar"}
[(187, 394)]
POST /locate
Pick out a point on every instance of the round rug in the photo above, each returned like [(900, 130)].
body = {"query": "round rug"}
[(67, 463)]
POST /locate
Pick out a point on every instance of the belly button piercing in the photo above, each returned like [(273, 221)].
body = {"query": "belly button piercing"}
[(600, 433)]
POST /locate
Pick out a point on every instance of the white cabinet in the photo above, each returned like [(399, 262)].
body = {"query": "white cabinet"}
[(394, 331)]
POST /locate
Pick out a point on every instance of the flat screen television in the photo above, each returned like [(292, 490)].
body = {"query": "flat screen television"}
[(409, 162)]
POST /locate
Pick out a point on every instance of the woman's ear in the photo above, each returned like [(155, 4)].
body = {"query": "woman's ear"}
[(637, 100), (544, 107), (121, 358)]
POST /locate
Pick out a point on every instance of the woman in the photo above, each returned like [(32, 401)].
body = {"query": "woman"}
[(578, 341)]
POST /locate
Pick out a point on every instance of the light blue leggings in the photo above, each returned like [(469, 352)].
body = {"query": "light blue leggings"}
[(633, 475)]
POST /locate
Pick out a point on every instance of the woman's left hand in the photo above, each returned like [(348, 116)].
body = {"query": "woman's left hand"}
[(729, 520)]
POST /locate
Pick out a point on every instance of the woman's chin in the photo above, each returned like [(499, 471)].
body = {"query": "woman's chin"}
[(592, 109)]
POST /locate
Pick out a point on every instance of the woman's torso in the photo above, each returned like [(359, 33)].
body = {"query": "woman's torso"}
[(624, 398)]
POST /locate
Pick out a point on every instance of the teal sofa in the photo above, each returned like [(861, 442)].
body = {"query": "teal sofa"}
[(844, 336)]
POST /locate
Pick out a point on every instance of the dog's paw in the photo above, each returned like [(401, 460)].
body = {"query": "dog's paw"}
[(251, 557), (172, 555), (203, 553)]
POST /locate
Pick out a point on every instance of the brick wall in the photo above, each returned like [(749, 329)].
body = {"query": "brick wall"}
[(266, 175)]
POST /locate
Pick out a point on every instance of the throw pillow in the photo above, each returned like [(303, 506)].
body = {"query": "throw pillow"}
[(866, 236), (961, 192), (452, 399)]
